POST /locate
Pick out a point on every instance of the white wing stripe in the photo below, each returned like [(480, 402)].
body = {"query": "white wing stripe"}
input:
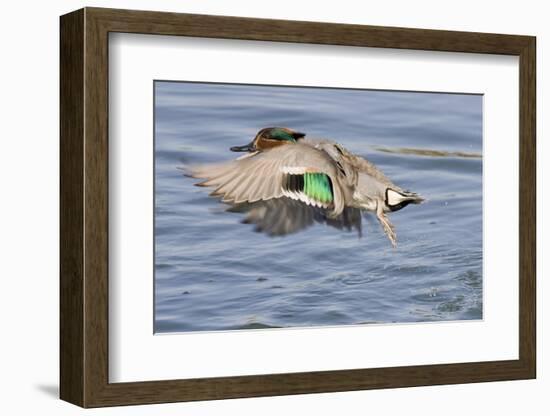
[(293, 170), (298, 196)]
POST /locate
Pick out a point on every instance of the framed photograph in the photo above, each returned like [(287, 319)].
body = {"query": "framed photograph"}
[(254, 207)]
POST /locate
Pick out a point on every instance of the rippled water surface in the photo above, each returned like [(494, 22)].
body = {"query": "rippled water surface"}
[(214, 273)]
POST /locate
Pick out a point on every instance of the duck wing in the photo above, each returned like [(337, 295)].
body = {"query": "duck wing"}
[(297, 171), (282, 216)]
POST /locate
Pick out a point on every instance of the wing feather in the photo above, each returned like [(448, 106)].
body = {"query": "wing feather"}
[(282, 216), (261, 176)]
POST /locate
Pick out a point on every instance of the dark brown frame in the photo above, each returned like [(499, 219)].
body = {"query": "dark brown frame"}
[(84, 207)]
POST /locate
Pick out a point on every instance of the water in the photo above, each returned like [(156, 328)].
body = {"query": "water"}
[(214, 273)]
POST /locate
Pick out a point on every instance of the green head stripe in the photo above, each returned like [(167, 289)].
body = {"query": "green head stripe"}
[(279, 134), (318, 187)]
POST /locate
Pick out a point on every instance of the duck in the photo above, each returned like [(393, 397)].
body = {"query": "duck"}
[(285, 180)]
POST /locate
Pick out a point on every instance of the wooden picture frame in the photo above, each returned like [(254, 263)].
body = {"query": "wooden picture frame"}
[(84, 207)]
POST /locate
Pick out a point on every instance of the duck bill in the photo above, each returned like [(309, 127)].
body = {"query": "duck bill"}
[(246, 148)]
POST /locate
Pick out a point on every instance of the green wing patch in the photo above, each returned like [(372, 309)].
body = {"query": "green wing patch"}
[(316, 186)]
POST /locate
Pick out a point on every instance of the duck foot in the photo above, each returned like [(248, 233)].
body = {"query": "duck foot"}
[(387, 226)]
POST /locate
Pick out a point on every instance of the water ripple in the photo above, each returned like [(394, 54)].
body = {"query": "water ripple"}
[(214, 273)]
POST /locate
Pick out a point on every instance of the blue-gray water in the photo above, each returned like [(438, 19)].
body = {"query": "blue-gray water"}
[(214, 273)]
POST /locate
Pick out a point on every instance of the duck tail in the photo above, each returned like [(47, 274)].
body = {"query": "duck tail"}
[(398, 199), (413, 197)]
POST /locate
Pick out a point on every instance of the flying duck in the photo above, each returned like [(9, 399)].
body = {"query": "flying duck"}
[(286, 181)]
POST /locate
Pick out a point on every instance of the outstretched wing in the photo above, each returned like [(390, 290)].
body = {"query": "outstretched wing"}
[(298, 171), (282, 216)]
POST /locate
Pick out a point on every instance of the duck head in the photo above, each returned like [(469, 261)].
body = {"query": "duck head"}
[(268, 138)]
